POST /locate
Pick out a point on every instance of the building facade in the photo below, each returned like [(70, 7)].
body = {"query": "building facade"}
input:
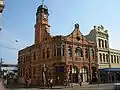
[(101, 37), (108, 59), (58, 57)]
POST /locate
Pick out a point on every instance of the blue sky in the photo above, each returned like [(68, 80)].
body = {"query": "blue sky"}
[(19, 18)]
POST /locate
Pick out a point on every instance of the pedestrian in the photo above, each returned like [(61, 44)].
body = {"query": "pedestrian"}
[(80, 81), (51, 82), (29, 82)]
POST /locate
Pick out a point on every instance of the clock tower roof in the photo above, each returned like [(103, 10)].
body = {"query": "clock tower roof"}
[(42, 8)]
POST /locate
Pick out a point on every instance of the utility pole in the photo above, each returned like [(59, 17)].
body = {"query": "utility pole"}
[(1, 66)]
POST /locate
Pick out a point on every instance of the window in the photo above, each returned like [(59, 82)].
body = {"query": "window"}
[(63, 50), (103, 57), (102, 43), (112, 58), (48, 52), (54, 51), (107, 58), (92, 52), (100, 56), (70, 51), (79, 52), (43, 53), (58, 50), (99, 42), (34, 55), (86, 52), (117, 59), (105, 44)]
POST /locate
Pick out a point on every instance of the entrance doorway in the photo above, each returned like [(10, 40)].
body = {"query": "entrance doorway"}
[(84, 74), (74, 74), (60, 75)]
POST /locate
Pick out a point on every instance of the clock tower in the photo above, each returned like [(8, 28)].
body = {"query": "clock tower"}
[(41, 27)]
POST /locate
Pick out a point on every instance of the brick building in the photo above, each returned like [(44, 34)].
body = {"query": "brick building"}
[(59, 57)]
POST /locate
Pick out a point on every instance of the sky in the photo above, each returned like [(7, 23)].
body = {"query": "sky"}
[(18, 20)]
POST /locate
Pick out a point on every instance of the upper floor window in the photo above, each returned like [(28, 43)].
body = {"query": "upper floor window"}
[(34, 55), (103, 57), (99, 42), (114, 58), (43, 53), (105, 44), (111, 58), (58, 50), (79, 52), (48, 53), (92, 52), (100, 56), (86, 52), (54, 51), (117, 59), (102, 43), (70, 51), (63, 50), (107, 58)]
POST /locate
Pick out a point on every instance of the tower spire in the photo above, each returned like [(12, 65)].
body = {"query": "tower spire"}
[(42, 2)]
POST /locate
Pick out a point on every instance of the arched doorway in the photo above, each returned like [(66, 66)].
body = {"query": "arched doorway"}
[(60, 75), (84, 74), (74, 72)]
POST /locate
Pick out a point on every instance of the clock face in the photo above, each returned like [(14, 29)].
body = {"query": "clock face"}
[(44, 16)]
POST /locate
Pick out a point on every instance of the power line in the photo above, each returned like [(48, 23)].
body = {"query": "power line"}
[(8, 47)]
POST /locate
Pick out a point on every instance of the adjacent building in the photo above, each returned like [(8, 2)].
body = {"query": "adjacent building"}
[(108, 59), (101, 37), (58, 57)]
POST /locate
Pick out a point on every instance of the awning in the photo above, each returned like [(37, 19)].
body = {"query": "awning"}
[(110, 69)]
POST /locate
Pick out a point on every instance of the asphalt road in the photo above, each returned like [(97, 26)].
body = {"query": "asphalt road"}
[(89, 87)]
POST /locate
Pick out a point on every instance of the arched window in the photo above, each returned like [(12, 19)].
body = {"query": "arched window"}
[(59, 50), (86, 52), (103, 57), (102, 43), (92, 52), (69, 51), (100, 56), (99, 42), (34, 55), (63, 50), (79, 52), (105, 44), (43, 53), (112, 58), (107, 58), (54, 51), (48, 52), (115, 58)]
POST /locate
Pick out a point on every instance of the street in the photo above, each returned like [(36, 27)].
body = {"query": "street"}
[(88, 87)]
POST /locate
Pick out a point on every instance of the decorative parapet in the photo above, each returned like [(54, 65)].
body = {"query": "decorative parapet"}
[(1, 5), (101, 29)]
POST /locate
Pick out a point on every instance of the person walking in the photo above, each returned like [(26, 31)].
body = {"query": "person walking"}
[(80, 81), (51, 82)]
